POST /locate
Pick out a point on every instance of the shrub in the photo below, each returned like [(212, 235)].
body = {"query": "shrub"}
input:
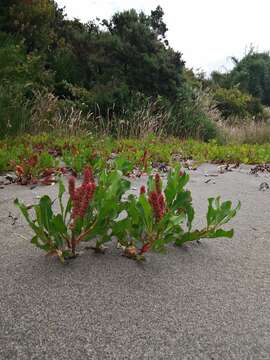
[(234, 104)]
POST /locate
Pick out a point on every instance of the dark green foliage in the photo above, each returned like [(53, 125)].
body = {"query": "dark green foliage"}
[(242, 91), (97, 68), (252, 73), (137, 39), (36, 22), (234, 103), (21, 74)]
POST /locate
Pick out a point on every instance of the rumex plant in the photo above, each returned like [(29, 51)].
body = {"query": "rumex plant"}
[(88, 213), (77, 158), (100, 210), (157, 218), (36, 168), (26, 171)]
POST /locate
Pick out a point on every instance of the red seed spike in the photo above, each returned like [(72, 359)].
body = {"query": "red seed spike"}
[(88, 175), (145, 248), (181, 173), (142, 190), (158, 183), (71, 187)]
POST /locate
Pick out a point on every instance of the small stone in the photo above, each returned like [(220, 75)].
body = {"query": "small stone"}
[(10, 178), (264, 186), (222, 169)]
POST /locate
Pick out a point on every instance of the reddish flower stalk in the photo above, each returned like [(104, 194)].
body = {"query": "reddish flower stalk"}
[(81, 196), (86, 198), (181, 173), (88, 175), (145, 248), (157, 202), (19, 170), (71, 187), (33, 161), (142, 190), (158, 184)]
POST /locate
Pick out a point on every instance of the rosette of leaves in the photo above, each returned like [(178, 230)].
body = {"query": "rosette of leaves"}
[(88, 213), (78, 157), (157, 218)]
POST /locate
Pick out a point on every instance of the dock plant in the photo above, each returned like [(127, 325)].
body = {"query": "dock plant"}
[(88, 213), (156, 218), (102, 209)]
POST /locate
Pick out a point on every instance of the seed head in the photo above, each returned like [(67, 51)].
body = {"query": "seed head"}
[(142, 190)]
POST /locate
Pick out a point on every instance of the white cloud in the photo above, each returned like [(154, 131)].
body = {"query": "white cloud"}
[(207, 32)]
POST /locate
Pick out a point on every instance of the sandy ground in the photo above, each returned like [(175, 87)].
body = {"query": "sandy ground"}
[(208, 301)]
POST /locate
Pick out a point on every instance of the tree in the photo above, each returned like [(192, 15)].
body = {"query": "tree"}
[(250, 74), (147, 64), (33, 21)]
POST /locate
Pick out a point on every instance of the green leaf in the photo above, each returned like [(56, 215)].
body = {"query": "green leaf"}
[(46, 212), (220, 234), (39, 232), (123, 165), (189, 236), (68, 209), (146, 212), (60, 195), (59, 225), (120, 229), (211, 213)]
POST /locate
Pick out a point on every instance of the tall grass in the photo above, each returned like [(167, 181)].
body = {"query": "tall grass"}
[(200, 120), (48, 114), (249, 133), (147, 119), (15, 112)]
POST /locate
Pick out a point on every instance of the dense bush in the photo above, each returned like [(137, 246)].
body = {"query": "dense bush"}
[(244, 90), (234, 103), (252, 73)]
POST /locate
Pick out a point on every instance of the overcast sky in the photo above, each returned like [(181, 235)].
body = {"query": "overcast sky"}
[(207, 32)]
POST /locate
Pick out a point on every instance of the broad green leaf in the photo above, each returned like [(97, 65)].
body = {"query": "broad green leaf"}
[(68, 209), (46, 211), (147, 212), (60, 195), (220, 233), (59, 225)]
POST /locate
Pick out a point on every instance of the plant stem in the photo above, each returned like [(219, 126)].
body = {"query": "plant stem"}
[(85, 233)]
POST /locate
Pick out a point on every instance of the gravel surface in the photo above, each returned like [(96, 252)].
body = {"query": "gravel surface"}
[(203, 301)]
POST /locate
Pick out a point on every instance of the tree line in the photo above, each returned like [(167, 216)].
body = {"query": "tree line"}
[(111, 68)]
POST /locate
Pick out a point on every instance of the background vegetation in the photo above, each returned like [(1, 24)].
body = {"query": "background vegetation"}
[(120, 77)]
